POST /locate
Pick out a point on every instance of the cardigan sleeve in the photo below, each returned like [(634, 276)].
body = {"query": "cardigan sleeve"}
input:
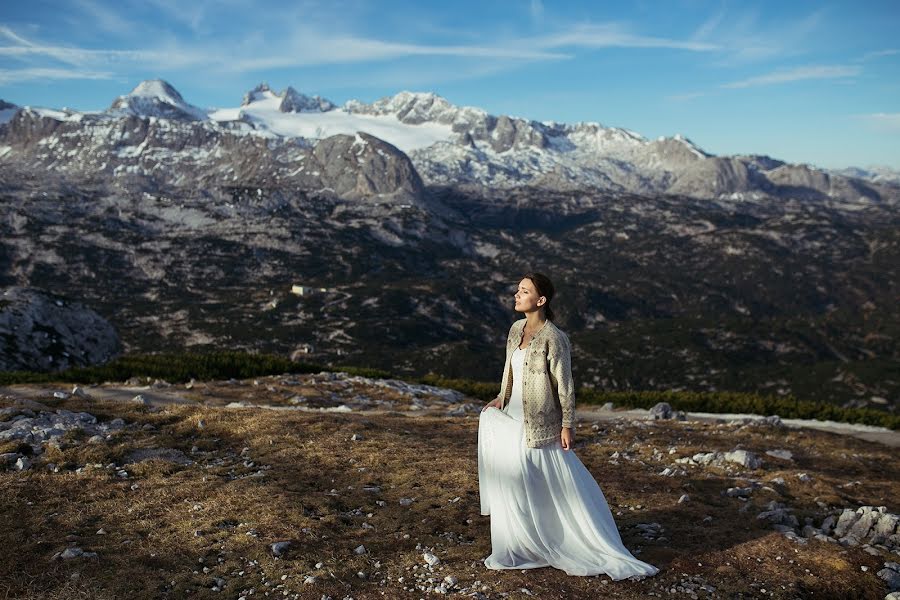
[(560, 363)]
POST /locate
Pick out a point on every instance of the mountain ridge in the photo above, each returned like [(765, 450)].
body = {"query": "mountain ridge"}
[(454, 145)]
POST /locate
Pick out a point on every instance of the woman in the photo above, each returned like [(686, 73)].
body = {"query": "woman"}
[(546, 508)]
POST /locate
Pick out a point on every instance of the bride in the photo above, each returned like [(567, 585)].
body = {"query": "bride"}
[(546, 508)]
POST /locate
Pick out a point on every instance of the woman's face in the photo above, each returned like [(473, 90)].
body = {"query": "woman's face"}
[(527, 296)]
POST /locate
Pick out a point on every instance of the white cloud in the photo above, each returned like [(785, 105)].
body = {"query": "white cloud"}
[(797, 74), (612, 35), (879, 54), (884, 122), (105, 19), (48, 74), (536, 10), (743, 38), (685, 97)]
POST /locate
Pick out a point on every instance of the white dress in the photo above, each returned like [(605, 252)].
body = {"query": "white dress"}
[(546, 508)]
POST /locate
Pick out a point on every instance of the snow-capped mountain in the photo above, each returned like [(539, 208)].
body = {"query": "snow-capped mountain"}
[(156, 98), (448, 145), (875, 174)]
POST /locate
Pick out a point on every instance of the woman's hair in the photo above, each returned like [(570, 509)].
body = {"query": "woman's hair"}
[(544, 288)]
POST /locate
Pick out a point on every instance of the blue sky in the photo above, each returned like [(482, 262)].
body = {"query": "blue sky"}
[(810, 82)]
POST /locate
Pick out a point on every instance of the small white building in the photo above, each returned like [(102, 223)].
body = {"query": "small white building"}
[(305, 290)]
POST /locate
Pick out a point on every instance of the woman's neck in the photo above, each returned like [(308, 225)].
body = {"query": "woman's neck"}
[(535, 320)]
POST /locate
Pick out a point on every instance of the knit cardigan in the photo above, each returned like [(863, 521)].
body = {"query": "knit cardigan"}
[(548, 392)]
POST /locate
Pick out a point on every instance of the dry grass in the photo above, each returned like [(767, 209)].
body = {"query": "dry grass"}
[(166, 522)]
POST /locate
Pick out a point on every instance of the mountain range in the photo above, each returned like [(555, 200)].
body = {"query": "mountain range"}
[(288, 135), (393, 234)]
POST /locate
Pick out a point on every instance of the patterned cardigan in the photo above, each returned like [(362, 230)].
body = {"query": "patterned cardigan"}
[(548, 392)]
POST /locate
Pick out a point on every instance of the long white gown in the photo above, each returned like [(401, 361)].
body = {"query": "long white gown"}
[(546, 508)]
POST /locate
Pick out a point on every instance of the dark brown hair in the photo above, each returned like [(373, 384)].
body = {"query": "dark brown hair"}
[(544, 287)]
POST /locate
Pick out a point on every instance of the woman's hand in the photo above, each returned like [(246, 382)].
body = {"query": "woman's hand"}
[(495, 403), (567, 438)]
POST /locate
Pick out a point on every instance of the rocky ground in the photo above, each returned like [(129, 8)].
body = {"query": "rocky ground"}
[(331, 486)]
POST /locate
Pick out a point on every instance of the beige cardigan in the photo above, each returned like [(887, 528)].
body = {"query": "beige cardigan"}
[(548, 392)]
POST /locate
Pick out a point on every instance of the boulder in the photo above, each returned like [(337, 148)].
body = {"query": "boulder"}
[(42, 331)]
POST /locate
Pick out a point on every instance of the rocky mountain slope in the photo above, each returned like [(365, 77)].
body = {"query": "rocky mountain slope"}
[(189, 232)]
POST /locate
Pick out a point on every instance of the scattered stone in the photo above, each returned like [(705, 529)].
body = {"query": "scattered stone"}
[(608, 406), (279, 548), (23, 464), (78, 392), (76, 552), (356, 437), (684, 498), (891, 575), (661, 410), (359, 549), (431, 559), (405, 501), (804, 477), (139, 399), (744, 458), (310, 579), (782, 454)]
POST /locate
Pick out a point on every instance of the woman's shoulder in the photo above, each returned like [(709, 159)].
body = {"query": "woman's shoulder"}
[(555, 333)]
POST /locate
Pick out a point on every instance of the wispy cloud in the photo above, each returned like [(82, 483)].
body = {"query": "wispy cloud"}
[(613, 35), (48, 74), (797, 74), (878, 54), (685, 97), (743, 38), (105, 19), (536, 11), (318, 51), (883, 122)]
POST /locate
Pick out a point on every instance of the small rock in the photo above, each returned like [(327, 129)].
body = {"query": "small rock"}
[(743, 458), (431, 559), (782, 454), (607, 406), (79, 393), (309, 579), (804, 477), (684, 498), (661, 410), (359, 549), (139, 399), (405, 501), (23, 464), (280, 548), (356, 437)]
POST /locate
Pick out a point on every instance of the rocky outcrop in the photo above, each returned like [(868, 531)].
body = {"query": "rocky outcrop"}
[(363, 166), (40, 331)]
